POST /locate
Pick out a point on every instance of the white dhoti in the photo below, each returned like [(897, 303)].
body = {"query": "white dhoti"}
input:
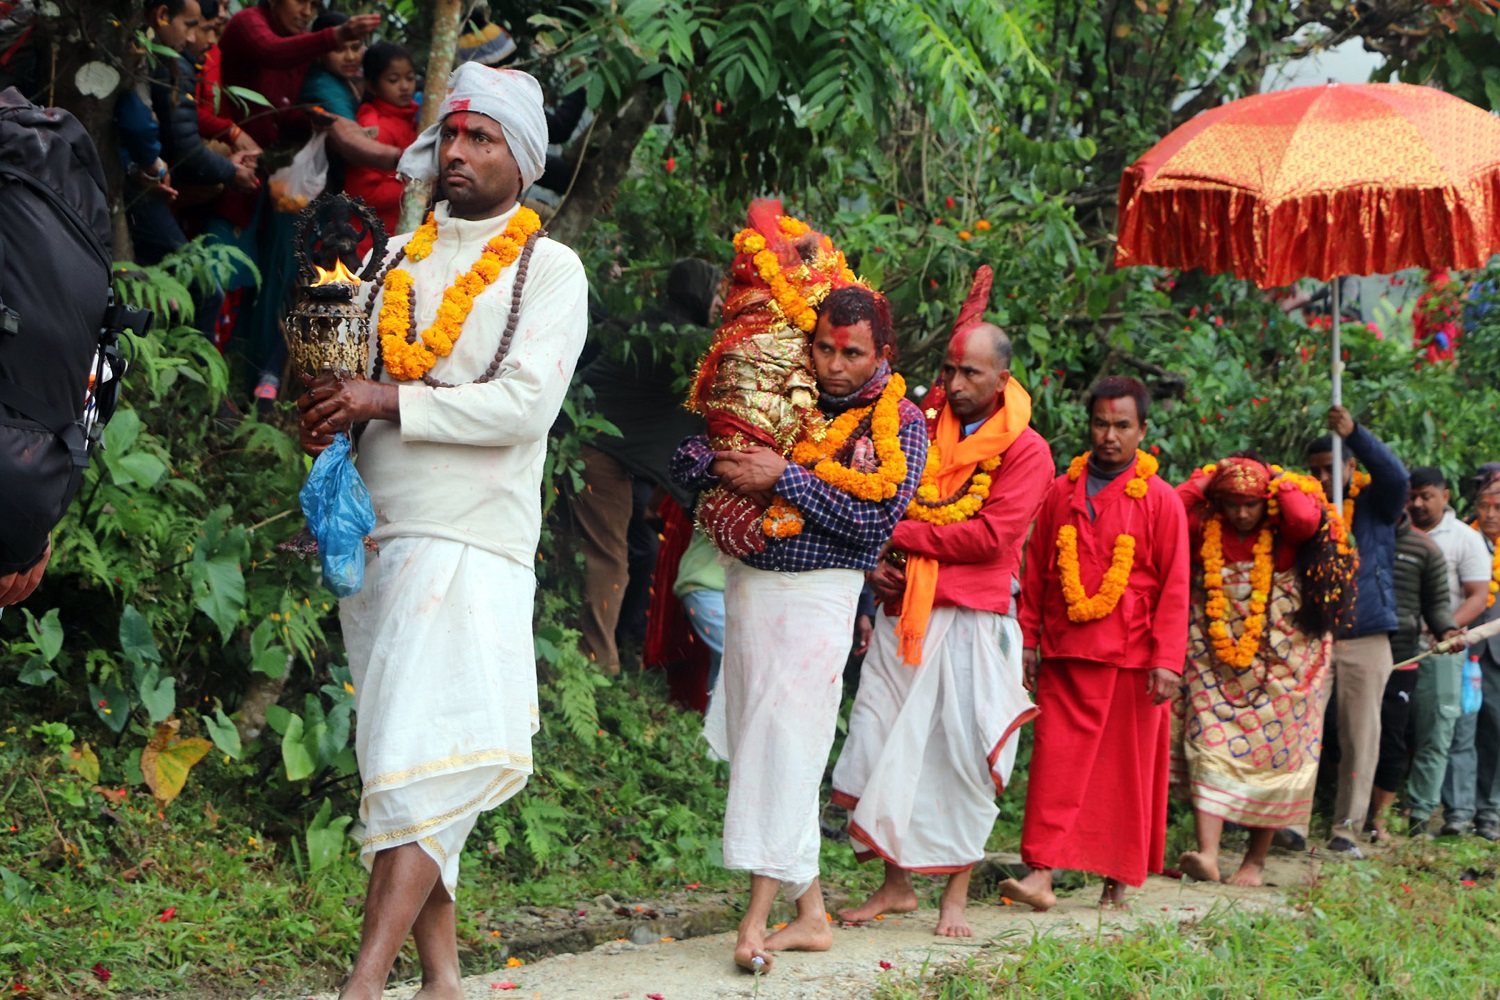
[(444, 675), (930, 747), (786, 639)]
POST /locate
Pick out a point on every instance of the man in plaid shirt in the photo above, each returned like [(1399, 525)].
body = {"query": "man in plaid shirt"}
[(789, 622)]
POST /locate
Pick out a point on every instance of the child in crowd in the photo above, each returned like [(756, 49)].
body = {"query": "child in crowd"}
[(335, 81), (391, 85)]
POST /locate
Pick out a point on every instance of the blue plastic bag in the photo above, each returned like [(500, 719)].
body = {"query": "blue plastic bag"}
[(339, 515), (1473, 688)]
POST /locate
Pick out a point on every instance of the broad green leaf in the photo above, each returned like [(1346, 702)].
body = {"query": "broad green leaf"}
[(249, 96), (294, 754), (121, 431), (47, 634), (142, 467), (218, 589), (325, 837), (136, 640), (223, 732), (157, 693), (83, 760), (36, 672), (166, 761), (110, 702), (16, 890), (279, 719)]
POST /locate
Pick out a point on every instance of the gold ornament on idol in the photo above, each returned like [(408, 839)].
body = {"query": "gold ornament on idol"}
[(408, 357), (1082, 607)]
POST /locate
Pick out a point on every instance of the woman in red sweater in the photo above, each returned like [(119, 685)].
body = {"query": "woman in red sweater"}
[(390, 83)]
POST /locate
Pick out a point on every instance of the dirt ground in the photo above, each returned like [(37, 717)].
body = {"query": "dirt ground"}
[(699, 968)]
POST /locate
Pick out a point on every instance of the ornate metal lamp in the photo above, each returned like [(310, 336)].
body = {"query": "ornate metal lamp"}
[(327, 328)]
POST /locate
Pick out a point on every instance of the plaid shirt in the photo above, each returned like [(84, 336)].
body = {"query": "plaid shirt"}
[(839, 531)]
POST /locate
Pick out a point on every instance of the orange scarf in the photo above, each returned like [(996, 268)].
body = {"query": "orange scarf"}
[(960, 458)]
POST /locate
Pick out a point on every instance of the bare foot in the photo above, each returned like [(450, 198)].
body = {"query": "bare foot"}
[(1113, 896), (443, 991), (802, 934), (886, 899), (1249, 874), (1203, 867), (951, 920), (750, 952), (1035, 890)]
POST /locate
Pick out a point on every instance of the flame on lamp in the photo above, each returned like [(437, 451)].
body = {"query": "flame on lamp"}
[(340, 275)]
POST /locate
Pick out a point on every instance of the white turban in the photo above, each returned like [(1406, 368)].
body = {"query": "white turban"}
[(511, 97)]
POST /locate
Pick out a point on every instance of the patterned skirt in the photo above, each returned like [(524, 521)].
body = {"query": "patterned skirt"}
[(1246, 741)]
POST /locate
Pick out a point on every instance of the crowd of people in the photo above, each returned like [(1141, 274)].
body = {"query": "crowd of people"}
[(225, 105), (1190, 642), (1195, 639)]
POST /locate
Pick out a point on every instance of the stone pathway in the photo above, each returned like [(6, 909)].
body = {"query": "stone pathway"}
[(700, 968)]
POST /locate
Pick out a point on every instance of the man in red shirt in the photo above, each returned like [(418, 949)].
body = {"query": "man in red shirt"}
[(1105, 624), (940, 693)]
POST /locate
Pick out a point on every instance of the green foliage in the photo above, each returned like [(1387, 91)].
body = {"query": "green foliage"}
[(164, 597)]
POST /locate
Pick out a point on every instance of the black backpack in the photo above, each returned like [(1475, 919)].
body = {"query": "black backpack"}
[(60, 363)]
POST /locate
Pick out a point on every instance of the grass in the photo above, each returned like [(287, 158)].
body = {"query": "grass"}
[(1423, 921), (104, 895)]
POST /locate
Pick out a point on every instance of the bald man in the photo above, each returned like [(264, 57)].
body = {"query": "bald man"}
[(940, 697)]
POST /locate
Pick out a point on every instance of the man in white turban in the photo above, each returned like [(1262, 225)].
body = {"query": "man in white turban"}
[(457, 411)]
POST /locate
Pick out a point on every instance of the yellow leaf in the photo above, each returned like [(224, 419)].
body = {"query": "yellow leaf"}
[(166, 761), (83, 760)]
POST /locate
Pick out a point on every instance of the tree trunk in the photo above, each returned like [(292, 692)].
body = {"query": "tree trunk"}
[(85, 57), (447, 18), (605, 163)]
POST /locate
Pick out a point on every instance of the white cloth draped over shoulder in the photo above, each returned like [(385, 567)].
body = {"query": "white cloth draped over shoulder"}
[(786, 639), (930, 746), (439, 638)]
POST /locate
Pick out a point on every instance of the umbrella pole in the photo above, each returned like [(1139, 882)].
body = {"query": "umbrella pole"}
[(1338, 400)]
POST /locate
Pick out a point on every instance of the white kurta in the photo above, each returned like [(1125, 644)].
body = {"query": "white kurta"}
[(930, 747), (786, 639), (439, 638)]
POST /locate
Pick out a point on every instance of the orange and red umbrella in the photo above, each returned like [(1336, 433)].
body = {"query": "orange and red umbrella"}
[(1319, 182)]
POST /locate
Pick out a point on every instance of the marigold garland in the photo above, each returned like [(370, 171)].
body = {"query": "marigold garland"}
[(783, 520), (407, 358), (1360, 481), (1489, 602), (1236, 653), (929, 507), (1082, 607), (885, 431), (797, 309)]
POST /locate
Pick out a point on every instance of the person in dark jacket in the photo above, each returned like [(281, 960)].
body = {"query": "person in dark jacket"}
[(1374, 501), (639, 397), (1420, 576), (174, 102)]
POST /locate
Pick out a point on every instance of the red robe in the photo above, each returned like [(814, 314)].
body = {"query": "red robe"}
[(979, 557), (1096, 796)]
